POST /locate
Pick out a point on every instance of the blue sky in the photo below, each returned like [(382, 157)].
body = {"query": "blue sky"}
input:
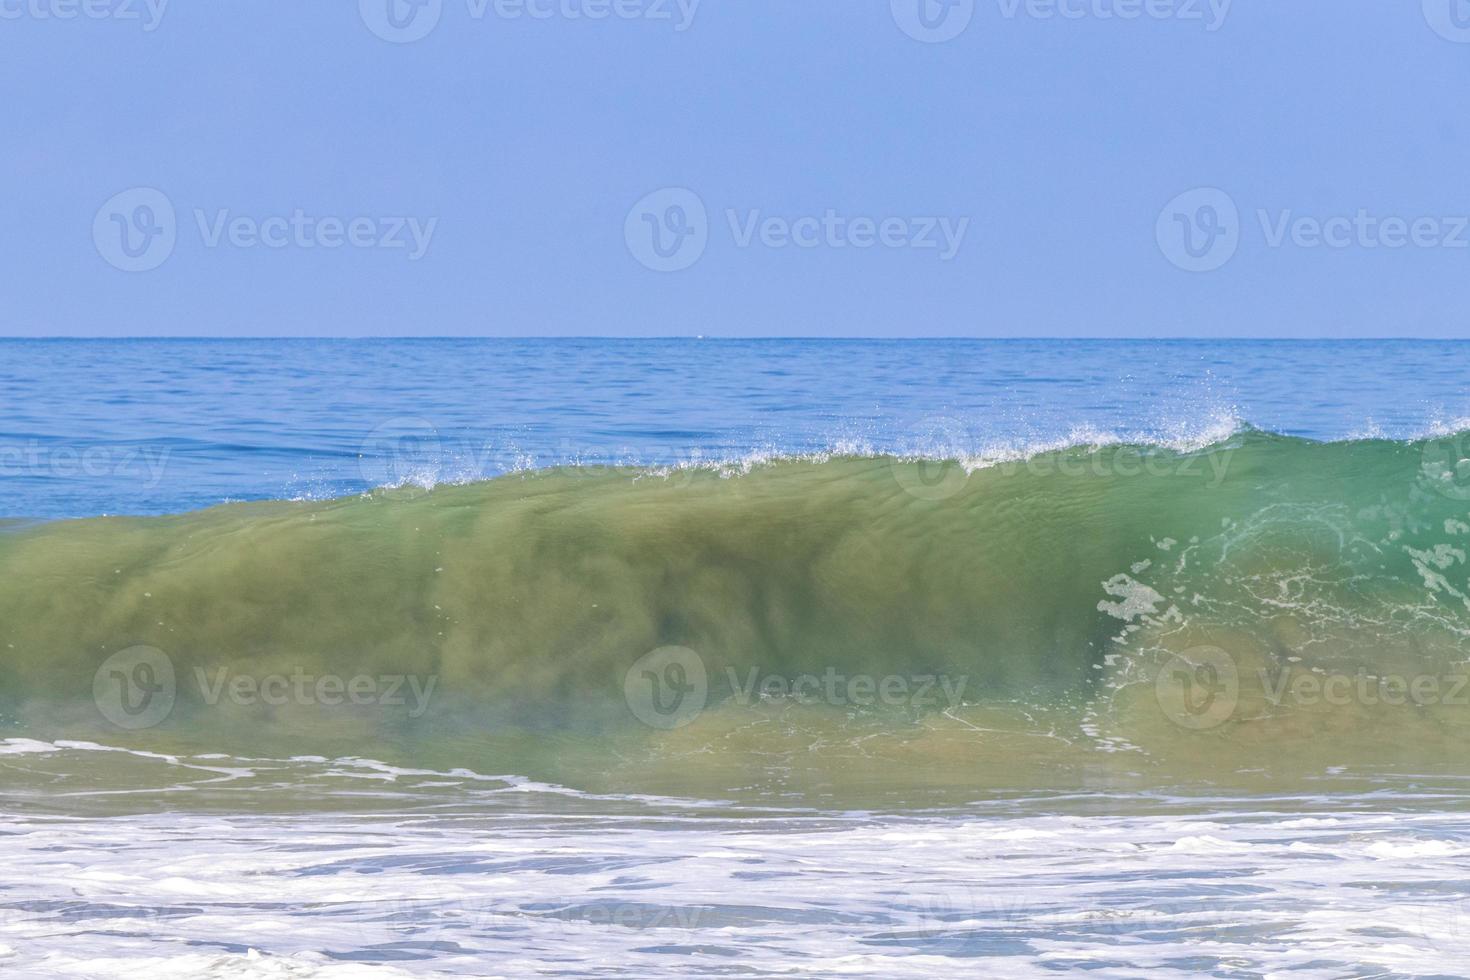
[(811, 167)]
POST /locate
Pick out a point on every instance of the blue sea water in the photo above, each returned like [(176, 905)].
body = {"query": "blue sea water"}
[(162, 426), (176, 853)]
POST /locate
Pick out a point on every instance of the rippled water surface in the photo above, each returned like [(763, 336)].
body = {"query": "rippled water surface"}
[(156, 426)]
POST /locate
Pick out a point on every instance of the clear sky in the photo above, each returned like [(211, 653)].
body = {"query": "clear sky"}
[(934, 167)]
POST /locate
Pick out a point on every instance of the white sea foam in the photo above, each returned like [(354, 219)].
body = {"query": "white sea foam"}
[(25, 746), (971, 444), (474, 881)]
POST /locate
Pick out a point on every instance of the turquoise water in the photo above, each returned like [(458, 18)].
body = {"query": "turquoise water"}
[(712, 658)]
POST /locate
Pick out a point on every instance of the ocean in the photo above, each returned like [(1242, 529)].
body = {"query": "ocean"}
[(698, 657)]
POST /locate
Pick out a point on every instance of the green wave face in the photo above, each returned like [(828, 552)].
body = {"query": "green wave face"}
[(1256, 604)]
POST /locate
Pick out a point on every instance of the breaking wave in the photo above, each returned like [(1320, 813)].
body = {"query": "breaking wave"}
[(1226, 601)]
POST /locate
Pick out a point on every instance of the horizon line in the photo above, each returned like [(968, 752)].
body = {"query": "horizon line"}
[(707, 337)]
